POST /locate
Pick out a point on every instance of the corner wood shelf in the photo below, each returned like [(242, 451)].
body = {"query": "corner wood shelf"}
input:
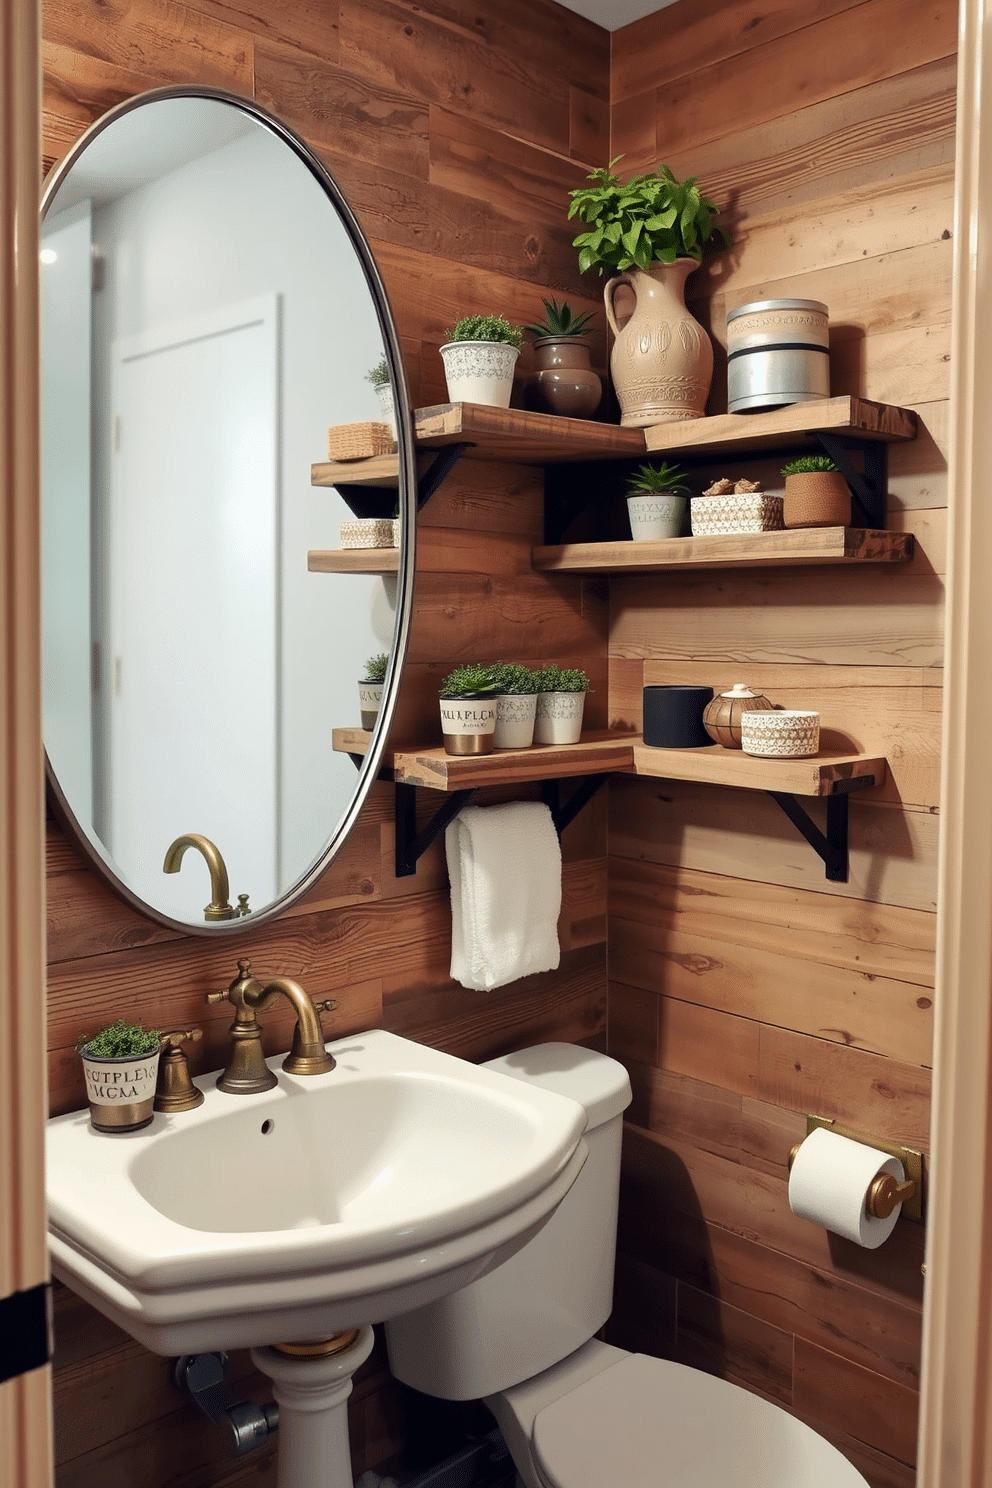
[(831, 776), (792, 548)]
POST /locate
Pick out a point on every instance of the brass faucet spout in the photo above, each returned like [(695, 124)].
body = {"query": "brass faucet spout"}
[(219, 907), (308, 1057)]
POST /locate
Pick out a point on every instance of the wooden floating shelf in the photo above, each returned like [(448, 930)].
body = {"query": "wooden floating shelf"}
[(511, 435), (609, 753), (354, 560), (792, 548), (794, 425)]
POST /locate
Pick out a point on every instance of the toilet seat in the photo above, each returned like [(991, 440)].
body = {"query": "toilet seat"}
[(649, 1423)]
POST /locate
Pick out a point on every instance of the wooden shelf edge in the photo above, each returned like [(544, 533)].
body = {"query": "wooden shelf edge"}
[(714, 765), (353, 560), (793, 547), (796, 423), (595, 754)]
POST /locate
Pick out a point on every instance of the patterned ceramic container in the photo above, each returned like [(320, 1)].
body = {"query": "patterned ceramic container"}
[(782, 734), (366, 532), (655, 516), (515, 715), (479, 371), (754, 511)]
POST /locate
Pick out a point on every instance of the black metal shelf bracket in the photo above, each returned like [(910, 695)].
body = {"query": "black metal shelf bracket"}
[(380, 501), (869, 486), (411, 844), (832, 847)]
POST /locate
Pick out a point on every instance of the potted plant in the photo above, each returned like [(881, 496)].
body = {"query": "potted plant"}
[(561, 697), (468, 709), (370, 688), (120, 1067), (816, 494), (651, 232), (378, 376), (479, 356), (565, 382), (657, 501), (516, 706)]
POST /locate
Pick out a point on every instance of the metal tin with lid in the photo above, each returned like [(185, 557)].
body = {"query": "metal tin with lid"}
[(778, 352)]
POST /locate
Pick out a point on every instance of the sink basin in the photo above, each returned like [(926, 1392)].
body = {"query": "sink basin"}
[(325, 1203)]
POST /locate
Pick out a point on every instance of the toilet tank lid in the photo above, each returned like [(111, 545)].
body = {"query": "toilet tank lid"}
[(595, 1080)]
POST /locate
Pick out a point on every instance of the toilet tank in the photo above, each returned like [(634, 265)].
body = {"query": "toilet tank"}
[(557, 1291)]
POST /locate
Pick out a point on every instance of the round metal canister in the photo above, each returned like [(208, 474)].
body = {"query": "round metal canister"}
[(778, 352)]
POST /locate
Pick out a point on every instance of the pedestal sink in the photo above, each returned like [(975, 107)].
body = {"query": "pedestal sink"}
[(325, 1204)]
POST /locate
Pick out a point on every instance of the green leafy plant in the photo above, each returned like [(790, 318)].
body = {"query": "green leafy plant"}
[(378, 375), (375, 667), (808, 465), (514, 679), (663, 477), (121, 1041), (654, 218), (485, 328), (561, 679), (561, 320), (473, 681)]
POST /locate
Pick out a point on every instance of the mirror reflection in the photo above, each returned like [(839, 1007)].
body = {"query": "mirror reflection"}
[(206, 316)]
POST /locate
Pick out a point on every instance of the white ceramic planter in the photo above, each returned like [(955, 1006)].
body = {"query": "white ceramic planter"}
[(559, 717), (656, 516), (120, 1091), (387, 408), (468, 725), (784, 733), (479, 371), (515, 716), (369, 702)]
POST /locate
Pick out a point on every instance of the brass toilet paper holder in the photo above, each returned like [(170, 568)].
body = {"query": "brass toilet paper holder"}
[(885, 1191)]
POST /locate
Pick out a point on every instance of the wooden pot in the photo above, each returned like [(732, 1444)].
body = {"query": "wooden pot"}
[(722, 717), (662, 359), (816, 498)]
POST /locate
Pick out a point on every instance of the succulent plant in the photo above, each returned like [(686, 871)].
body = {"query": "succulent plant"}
[(654, 218), (561, 320), (485, 328), (808, 465), (473, 681), (561, 679), (661, 477), (121, 1041)]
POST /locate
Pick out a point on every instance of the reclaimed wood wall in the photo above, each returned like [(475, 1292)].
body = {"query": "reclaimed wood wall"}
[(456, 139), (745, 990)]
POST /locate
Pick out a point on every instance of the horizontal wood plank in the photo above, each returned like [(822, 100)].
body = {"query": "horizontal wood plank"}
[(798, 547)]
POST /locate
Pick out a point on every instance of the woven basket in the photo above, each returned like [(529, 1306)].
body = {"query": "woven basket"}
[(359, 441)]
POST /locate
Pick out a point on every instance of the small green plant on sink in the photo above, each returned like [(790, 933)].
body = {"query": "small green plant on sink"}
[(375, 667), (561, 320), (561, 679), (485, 328), (120, 1041), (477, 680), (378, 375), (649, 479), (515, 680), (809, 465)]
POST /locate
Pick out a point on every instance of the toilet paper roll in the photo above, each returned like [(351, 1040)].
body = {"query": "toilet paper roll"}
[(829, 1184)]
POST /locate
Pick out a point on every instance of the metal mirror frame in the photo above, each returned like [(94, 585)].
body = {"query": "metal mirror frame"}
[(96, 857)]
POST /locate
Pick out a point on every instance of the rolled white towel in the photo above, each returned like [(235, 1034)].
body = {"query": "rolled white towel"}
[(504, 863)]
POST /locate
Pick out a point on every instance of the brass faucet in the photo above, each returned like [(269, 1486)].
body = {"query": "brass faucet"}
[(246, 1071), (219, 907)]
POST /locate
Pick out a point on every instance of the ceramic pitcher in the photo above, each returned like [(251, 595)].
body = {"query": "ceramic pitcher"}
[(662, 360)]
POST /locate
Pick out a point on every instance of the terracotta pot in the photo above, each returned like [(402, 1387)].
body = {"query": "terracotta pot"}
[(816, 498), (565, 382), (662, 359)]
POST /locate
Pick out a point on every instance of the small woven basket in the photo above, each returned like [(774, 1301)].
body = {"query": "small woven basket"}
[(359, 441)]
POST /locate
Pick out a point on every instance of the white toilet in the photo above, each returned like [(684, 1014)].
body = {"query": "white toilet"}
[(575, 1412)]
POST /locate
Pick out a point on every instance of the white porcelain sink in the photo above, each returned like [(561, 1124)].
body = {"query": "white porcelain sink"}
[(325, 1203)]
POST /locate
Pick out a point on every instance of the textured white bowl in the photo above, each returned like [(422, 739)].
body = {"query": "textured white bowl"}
[(782, 733)]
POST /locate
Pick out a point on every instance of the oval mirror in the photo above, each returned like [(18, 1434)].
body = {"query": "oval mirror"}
[(210, 307)]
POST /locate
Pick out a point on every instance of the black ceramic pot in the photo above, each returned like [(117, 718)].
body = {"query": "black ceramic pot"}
[(673, 717)]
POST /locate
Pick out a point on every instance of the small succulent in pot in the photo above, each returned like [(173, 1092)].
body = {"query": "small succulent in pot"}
[(379, 377), (479, 355), (561, 320), (516, 705), (816, 493), (468, 709), (560, 704), (370, 688), (657, 502), (565, 382), (120, 1067)]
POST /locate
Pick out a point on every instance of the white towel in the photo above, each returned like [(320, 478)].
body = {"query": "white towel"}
[(504, 863)]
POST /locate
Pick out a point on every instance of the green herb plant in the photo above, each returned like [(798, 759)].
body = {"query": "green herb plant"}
[(474, 681), (650, 478), (561, 320), (514, 679), (378, 375), (375, 667), (808, 465), (485, 328), (121, 1041), (654, 218), (561, 679)]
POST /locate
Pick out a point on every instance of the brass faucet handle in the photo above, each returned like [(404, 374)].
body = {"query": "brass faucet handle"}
[(215, 997), (329, 1005), (175, 1090)]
